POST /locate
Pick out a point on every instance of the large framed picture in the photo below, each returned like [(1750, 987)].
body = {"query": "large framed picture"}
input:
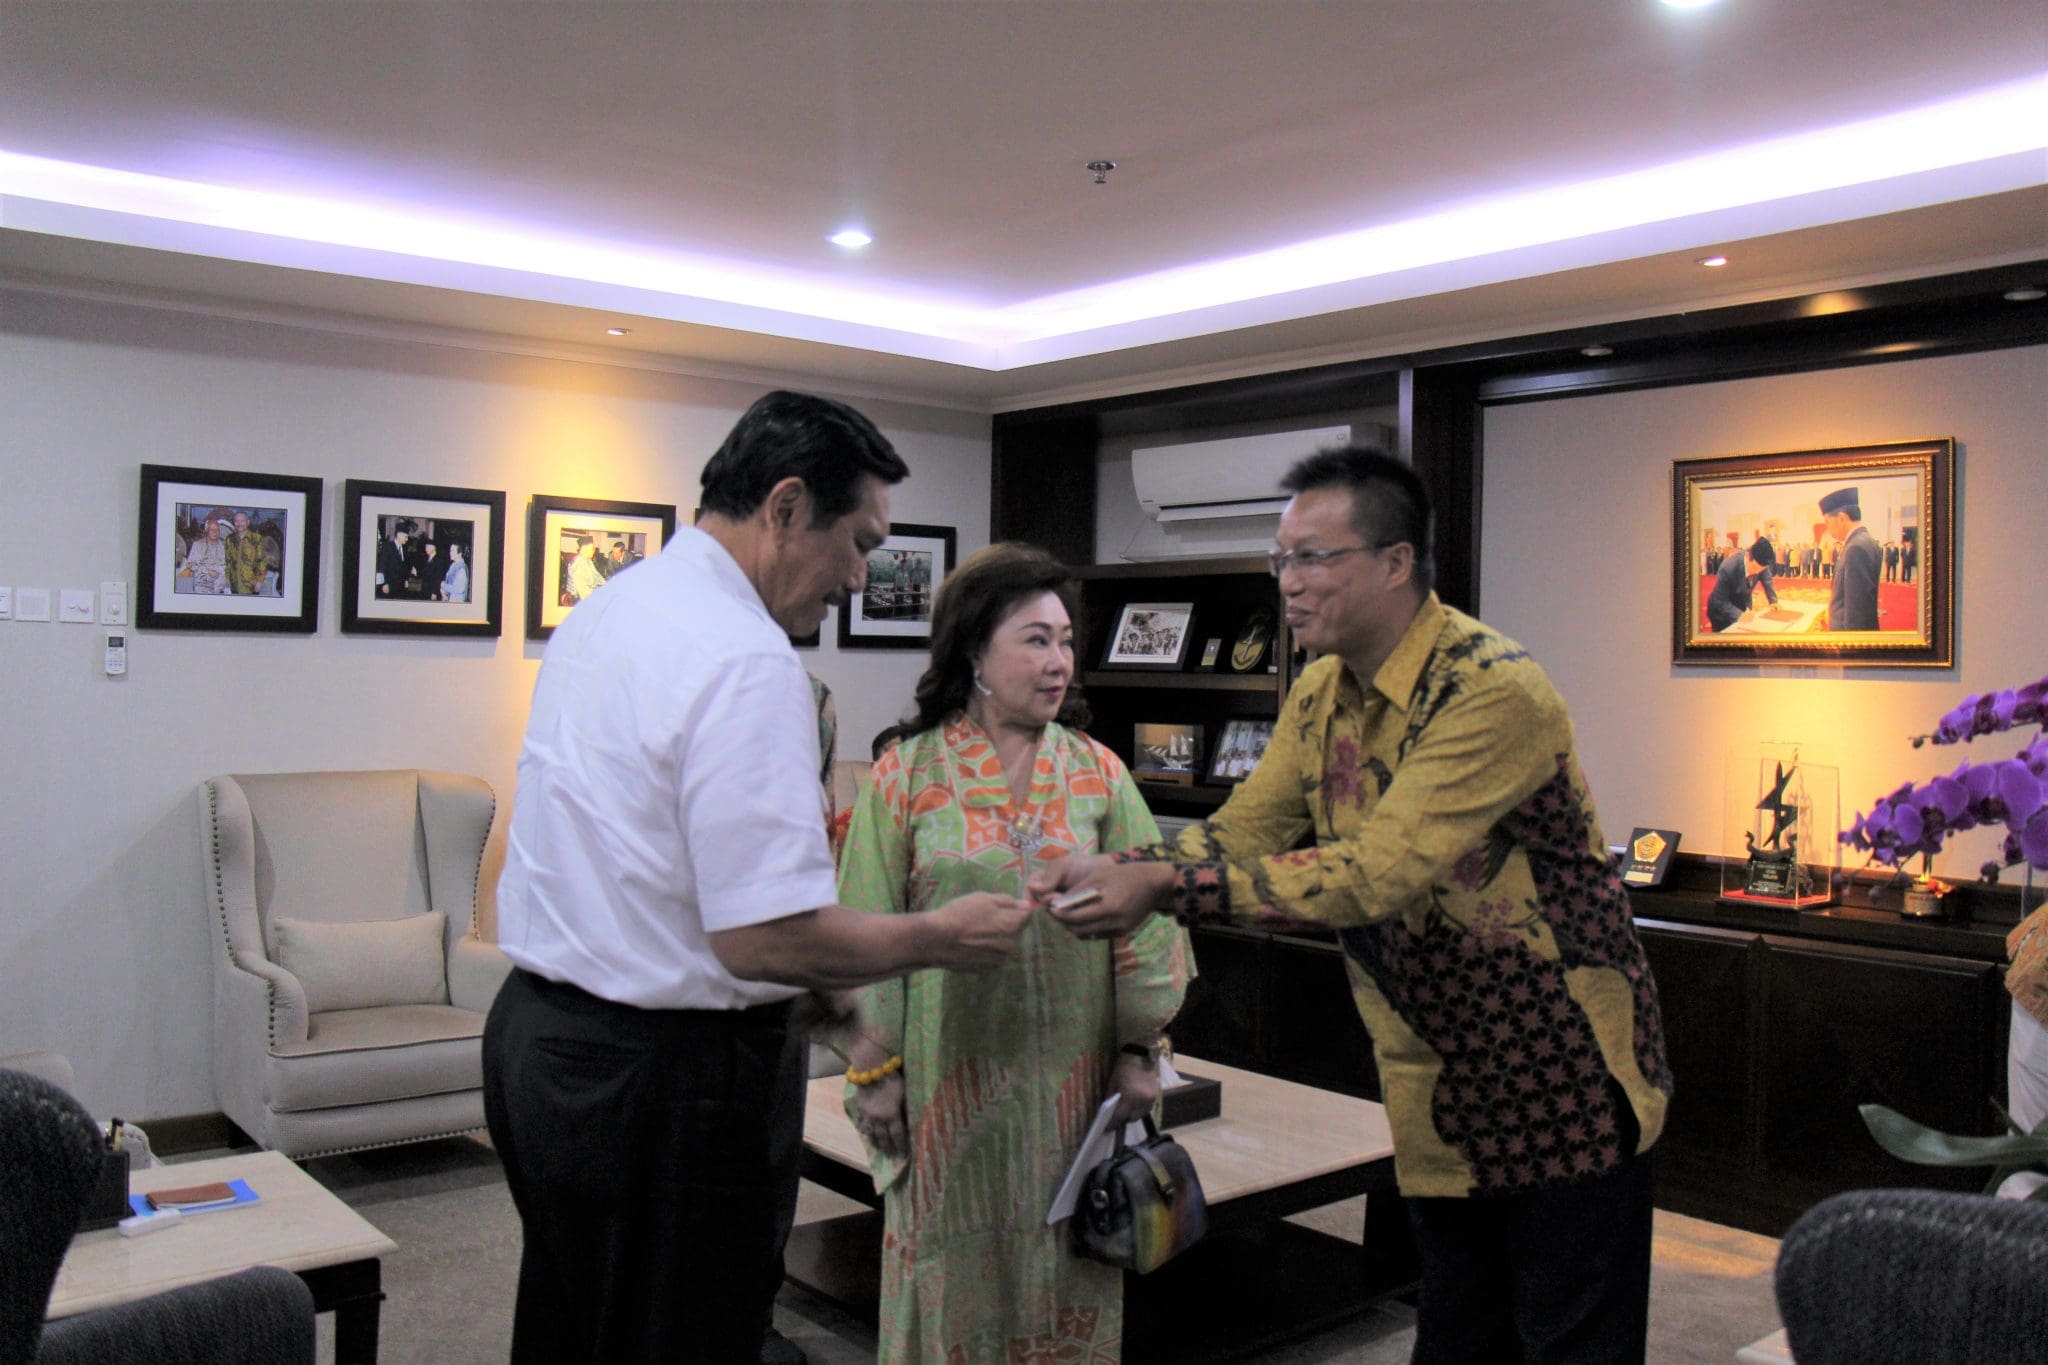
[(1242, 744), (418, 559), (219, 550), (1149, 635), (1168, 754), (904, 572), (1843, 556), (574, 546)]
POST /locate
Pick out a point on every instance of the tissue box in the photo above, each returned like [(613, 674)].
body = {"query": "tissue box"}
[(108, 1204), (1194, 1099)]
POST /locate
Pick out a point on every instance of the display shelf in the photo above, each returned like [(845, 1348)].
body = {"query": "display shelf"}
[(1198, 682)]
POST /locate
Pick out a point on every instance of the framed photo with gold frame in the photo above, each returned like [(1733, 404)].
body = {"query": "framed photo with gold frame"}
[(1861, 567)]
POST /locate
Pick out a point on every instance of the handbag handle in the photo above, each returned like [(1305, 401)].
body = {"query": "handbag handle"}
[(1161, 1177)]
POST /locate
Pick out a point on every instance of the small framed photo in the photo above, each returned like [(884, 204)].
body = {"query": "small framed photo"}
[(1239, 750), (219, 550), (1169, 754), (1150, 635), (574, 546), (1209, 653), (418, 559), (904, 573)]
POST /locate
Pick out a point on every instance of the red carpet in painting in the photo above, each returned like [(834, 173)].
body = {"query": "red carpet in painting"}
[(1898, 604)]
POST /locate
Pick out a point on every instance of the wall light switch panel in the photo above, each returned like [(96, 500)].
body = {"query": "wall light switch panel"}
[(31, 604), (6, 603), (113, 604), (75, 606)]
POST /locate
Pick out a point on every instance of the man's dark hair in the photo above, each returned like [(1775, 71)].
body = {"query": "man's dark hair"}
[(826, 444), (972, 601), (1763, 552), (1389, 505)]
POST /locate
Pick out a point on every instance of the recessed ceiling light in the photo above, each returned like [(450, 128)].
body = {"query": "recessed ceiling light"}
[(1713, 262), (851, 238), (1687, 4), (2024, 294), (617, 331), (1595, 351)]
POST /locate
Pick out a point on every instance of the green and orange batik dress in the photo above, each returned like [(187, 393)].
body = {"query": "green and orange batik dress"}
[(1003, 1070)]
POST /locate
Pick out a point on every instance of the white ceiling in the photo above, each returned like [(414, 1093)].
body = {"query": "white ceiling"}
[(1296, 180)]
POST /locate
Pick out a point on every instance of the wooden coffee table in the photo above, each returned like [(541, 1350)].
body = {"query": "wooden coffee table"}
[(1254, 1282), (297, 1224)]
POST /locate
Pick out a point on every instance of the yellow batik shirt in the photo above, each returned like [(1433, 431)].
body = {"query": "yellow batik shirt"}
[(1485, 929)]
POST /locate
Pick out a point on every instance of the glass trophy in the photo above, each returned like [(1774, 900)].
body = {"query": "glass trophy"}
[(1782, 816)]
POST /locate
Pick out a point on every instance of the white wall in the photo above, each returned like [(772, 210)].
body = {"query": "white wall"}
[(1577, 535), (104, 936)]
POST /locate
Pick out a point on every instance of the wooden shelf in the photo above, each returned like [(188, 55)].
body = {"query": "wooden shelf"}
[(1194, 795), (1209, 567), (1199, 682)]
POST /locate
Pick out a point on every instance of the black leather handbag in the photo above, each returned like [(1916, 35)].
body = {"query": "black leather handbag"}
[(1141, 1205)]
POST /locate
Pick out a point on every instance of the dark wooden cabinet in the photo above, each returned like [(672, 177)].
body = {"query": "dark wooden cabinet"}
[(1776, 1038)]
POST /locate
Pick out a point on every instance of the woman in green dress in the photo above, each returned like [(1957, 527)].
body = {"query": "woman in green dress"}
[(971, 1132)]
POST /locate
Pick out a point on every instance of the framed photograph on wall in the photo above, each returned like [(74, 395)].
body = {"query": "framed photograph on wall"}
[(1860, 544), (1169, 754), (574, 546), (1150, 635), (904, 571), (220, 550), (418, 559), (1239, 749)]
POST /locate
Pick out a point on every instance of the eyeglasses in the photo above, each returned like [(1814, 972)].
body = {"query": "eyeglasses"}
[(1308, 561)]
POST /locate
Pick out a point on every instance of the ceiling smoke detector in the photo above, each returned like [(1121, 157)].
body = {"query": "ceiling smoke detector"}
[(1102, 170)]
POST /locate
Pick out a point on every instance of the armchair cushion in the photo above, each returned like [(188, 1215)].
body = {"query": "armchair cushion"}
[(372, 1056), (361, 964)]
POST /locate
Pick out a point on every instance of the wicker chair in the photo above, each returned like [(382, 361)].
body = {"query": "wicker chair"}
[(1905, 1277), (49, 1163)]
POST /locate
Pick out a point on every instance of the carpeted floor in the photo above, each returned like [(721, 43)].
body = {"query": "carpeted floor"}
[(449, 1284)]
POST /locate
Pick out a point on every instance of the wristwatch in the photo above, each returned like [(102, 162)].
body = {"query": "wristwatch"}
[(1149, 1051)]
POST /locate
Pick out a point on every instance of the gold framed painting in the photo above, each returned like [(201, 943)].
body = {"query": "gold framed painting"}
[(1843, 556)]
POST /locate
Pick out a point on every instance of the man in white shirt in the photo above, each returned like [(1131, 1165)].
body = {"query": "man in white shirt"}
[(668, 890)]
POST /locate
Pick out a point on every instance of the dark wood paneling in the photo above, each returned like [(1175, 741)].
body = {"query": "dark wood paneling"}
[(1704, 989), (1314, 1034), (1222, 1017), (1439, 436), (1849, 1026), (1042, 483)]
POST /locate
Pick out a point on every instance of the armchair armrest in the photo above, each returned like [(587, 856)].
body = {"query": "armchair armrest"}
[(261, 1316), (475, 971)]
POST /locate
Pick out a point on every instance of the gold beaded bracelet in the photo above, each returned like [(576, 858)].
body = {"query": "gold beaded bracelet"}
[(873, 1074)]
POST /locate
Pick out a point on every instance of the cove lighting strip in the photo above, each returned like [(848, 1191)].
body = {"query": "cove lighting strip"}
[(2000, 134)]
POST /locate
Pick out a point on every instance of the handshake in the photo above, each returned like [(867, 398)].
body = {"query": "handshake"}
[(1092, 896)]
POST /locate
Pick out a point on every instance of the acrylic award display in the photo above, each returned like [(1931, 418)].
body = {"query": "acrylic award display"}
[(1782, 816)]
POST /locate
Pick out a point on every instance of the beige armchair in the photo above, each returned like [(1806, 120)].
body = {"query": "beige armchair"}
[(350, 985)]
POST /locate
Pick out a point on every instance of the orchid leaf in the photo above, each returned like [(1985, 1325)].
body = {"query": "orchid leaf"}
[(1924, 1146)]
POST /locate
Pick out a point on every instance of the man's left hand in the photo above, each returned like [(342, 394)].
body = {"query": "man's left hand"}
[(1114, 898)]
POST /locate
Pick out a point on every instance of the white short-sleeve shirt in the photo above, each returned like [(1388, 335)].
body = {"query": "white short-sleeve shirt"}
[(668, 786)]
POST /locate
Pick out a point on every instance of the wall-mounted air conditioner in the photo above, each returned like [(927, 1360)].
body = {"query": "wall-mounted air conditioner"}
[(1238, 476)]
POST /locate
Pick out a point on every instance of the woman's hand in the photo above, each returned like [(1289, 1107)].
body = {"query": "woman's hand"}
[(1136, 1083), (879, 1115)]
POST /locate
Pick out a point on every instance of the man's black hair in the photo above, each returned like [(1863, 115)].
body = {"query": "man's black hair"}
[(1389, 504), (825, 443), (1763, 552)]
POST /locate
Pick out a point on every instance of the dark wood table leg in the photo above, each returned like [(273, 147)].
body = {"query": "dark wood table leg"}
[(354, 1293)]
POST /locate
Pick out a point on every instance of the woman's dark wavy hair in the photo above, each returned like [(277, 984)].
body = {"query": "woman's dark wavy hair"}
[(972, 601)]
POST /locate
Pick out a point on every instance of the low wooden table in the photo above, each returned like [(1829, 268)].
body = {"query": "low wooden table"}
[(297, 1224), (1254, 1282)]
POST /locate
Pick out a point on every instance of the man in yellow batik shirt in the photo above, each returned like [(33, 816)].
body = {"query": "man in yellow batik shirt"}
[(1485, 930), (247, 561)]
